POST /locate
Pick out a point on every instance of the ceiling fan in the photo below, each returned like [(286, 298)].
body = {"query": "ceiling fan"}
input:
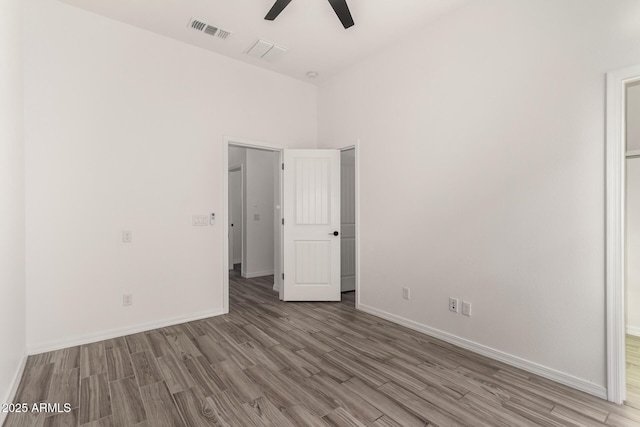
[(339, 6)]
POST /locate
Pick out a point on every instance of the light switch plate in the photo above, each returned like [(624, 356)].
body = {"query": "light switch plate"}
[(199, 220)]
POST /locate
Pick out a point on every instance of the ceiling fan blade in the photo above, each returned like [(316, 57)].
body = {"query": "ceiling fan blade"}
[(342, 10), (277, 7)]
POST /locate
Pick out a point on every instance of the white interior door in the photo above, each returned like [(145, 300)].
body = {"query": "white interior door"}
[(311, 202)]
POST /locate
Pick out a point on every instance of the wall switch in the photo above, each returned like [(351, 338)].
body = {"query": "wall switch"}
[(453, 304), (127, 299), (199, 220), (406, 293), (466, 308), (127, 236)]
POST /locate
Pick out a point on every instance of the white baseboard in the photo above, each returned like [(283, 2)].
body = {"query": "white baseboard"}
[(14, 387), (254, 274), (509, 359), (633, 330), (118, 332)]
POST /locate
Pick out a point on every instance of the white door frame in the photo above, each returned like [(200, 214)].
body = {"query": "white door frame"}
[(246, 143), (615, 229), (356, 149)]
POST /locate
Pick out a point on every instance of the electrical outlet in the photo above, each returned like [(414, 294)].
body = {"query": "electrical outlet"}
[(453, 304), (127, 236), (127, 299), (406, 293), (466, 308)]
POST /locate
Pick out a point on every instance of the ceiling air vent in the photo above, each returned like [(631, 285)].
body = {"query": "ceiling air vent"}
[(222, 34), (266, 50), (203, 27)]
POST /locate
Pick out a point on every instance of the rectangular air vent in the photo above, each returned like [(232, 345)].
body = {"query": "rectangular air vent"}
[(210, 30), (265, 50)]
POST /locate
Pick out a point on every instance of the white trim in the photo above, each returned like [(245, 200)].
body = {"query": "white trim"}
[(358, 272), (119, 332), (509, 359), (11, 394), (615, 253), (633, 330), (255, 274)]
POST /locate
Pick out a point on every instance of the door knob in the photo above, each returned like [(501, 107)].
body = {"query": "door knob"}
[(335, 233)]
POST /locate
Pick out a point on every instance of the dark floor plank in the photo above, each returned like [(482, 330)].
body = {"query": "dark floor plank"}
[(118, 363), (211, 349), (345, 398), (95, 400), (159, 406), (68, 419), (65, 388), (263, 413), (126, 403), (384, 404), (301, 416), (146, 368), (92, 359), (175, 373), (235, 378), (35, 383), (183, 347), (204, 376), (342, 418), (195, 409)]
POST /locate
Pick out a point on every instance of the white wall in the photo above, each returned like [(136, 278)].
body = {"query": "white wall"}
[(633, 246), (259, 214), (12, 240), (124, 130), (633, 117), (482, 176)]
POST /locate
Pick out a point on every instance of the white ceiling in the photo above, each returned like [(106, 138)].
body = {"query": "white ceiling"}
[(308, 28)]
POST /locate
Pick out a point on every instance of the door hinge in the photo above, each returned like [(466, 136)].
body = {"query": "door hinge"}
[(282, 276), (283, 166), (282, 221)]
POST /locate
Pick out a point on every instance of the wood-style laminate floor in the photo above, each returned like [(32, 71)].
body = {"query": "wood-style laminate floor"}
[(633, 371), (269, 363)]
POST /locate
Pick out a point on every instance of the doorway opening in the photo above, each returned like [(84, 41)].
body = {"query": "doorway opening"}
[(274, 187), (617, 279), (348, 224), (252, 186), (632, 247)]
